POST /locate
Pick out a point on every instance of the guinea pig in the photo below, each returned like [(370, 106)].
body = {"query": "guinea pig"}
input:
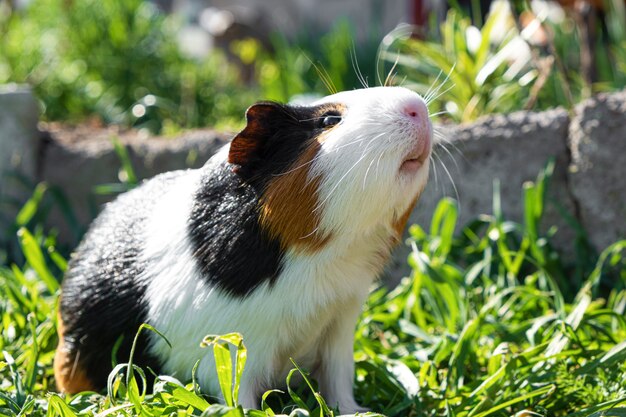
[(279, 237)]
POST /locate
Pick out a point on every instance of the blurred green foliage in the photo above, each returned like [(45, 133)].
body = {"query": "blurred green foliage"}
[(311, 65), (501, 66), (481, 82), (118, 60)]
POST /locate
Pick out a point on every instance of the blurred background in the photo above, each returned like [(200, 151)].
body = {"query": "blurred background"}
[(167, 65)]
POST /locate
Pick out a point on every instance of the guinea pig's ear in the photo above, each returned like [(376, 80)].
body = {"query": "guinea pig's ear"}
[(261, 124)]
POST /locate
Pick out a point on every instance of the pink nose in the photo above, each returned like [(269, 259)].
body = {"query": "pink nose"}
[(416, 110)]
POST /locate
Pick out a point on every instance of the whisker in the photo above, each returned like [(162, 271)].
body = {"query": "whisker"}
[(445, 80), (456, 191), (432, 163), (443, 141), (355, 66), (436, 90), (361, 139), (379, 53), (372, 141), (385, 44), (377, 164), (455, 148), (330, 80), (451, 156), (433, 84), (324, 76), (388, 79), (439, 113), (338, 183), (366, 148), (442, 93), (310, 234), (367, 172)]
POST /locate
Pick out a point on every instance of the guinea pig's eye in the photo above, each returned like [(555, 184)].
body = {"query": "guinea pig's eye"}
[(330, 119)]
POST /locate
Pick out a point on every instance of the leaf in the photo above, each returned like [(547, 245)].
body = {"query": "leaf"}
[(182, 394), (224, 363), (31, 370), (127, 166), (58, 407), (220, 410), (36, 260), (224, 367), (535, 393), (405, 377), (29, 209)]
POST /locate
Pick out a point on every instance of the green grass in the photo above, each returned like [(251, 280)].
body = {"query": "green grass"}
[(489, 323)]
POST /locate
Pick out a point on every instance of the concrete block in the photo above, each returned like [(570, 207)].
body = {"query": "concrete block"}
[(19, 138), (76, 162), (598, 169)]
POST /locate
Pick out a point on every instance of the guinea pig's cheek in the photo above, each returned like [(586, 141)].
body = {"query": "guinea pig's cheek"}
[(324, 136), (337, 138), (290, 209)]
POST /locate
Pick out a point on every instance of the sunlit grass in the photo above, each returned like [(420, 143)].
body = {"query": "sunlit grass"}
[(489, 323)]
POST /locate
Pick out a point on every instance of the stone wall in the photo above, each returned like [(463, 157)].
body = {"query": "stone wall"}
[(77, 161), (18, 146), (589, 180), (588, 146)]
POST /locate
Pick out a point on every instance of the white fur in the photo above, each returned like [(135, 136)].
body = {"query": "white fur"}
[(310, 312), (360, 160)]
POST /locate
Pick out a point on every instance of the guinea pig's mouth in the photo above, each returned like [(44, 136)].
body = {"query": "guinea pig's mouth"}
[(415, 159)]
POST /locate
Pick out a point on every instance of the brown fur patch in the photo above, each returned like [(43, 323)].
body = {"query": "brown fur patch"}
[(69, 376), (400, 223), (288, 203)]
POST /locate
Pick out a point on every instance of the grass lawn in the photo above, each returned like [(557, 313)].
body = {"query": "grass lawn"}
[(490, 323)]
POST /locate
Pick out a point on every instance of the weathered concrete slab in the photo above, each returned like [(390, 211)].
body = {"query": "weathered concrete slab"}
[(598, 171), (511, 149), (77, 164), (19, 137)]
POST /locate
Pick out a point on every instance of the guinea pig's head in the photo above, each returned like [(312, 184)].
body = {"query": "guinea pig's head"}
[(342, 166)]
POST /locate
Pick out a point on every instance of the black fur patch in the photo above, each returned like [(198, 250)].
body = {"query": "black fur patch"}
[(275, 136), (232, 251), (103, 295)]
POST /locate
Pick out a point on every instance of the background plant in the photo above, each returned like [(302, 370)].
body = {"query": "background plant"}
[(310, 66), (118, 61), (481, 78), (500, 66), (487, 326)]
